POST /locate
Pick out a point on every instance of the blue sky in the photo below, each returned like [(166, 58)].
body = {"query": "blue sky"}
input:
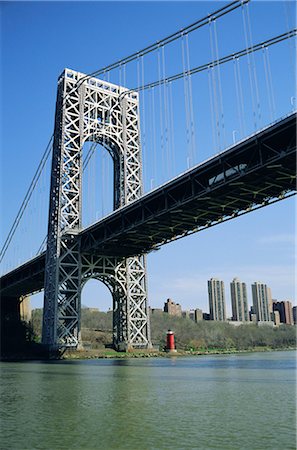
[(40, 39)]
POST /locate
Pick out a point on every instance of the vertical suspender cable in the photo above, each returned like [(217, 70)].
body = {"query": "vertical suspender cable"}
[(150, 143), (120, 74), (40, 205), (92, 204), (186, 94), (252, 67), (292, 42), (138, 72), (214, 89), (101, 170), (102, 182), (238, 99), (213, 126), (168, 130), (102, 163), (216, 107), (270, 83), (249, 68), (161, 116), (124, 74), (241, 97), (220, 92), (191, 111), (88, 196), (143, 126), (150, 178), (172, 127), (267, 84), (166, 144), (154, 137), (254, 63)]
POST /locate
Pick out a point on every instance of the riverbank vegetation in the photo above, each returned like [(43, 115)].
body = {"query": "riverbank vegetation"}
[(201, 337)]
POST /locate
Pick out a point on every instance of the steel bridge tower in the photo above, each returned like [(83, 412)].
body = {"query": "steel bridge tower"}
[(89, 109)]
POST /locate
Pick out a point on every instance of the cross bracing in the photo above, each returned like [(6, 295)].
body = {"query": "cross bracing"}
[(94, 112)]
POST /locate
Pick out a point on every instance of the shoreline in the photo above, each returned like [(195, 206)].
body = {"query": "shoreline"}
[(97, 354), (112, 354)]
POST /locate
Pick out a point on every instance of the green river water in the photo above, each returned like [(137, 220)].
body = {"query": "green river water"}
[(245, 401)]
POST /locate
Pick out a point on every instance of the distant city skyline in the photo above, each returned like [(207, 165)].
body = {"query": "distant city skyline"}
[(97, 296), (278, 313)]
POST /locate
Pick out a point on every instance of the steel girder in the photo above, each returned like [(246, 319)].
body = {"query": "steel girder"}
[(89, 109)]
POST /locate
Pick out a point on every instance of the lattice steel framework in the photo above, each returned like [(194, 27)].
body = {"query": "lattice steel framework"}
[(89, 109)]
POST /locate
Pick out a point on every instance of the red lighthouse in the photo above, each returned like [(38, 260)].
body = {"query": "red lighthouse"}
[(170, 346)]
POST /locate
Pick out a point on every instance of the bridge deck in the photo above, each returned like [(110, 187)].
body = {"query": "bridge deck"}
[(247, 175), (250, 173)]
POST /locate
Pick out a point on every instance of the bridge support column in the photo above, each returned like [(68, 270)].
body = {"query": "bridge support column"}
[(130, 313), (89, 109), (13, 334), (10, 309), (125, 279)]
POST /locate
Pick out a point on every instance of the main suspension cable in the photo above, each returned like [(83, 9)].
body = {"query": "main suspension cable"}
[(212, 64), (27, 198), (171, 38), (155, 46)]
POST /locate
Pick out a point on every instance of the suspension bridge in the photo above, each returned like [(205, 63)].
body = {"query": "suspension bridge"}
[(174, 170)]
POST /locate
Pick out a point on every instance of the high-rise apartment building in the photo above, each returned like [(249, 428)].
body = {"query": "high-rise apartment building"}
[(285, 311), (270, 307), (261, 301), (239, 301), (216, 296), (294, 309)]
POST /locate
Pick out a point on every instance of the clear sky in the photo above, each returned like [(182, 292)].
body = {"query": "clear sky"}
[(40, 39)]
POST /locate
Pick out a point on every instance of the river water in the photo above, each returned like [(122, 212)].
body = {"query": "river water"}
[(244, 401)]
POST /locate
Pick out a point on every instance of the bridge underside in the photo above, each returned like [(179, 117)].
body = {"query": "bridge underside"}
[(251, 174)]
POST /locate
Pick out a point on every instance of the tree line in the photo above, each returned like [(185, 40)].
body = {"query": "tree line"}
[(96, 327)]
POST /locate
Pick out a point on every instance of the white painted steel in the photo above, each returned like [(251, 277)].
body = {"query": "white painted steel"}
[(89, 109)]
